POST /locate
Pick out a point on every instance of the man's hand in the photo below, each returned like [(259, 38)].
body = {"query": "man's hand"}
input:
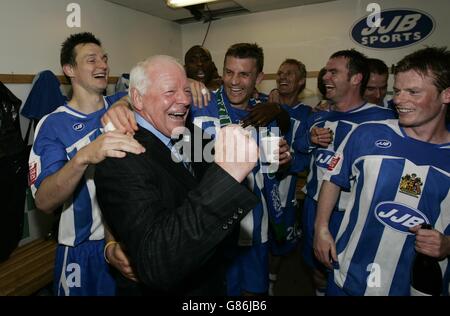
[(121, 118), (285, 156), (323, 105), (262, 114), (200, 94), (431, 242), (324, 247), (111, 144), (321, 136), (274, 96), (119, 260), (235, 151)]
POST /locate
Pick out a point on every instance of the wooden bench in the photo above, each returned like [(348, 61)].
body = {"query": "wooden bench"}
[(29, 268)]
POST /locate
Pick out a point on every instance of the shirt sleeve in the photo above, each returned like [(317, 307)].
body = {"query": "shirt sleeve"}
[(111, 99), (302, 141), (339, 169), (300, 160), (48, 154)]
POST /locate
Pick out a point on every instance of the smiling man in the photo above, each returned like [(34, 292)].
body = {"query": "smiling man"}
[(398, 175), (378, 82), (345, 80), (67, 145), (173, 216), (291, 81), (200, 66), (231, 104)]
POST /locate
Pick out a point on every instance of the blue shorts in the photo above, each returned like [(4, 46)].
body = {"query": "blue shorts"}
[(86, 273), (282, 248), (309, 216), (249, 270)]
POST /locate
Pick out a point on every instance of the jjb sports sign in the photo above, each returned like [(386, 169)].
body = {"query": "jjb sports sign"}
[(396, 28)]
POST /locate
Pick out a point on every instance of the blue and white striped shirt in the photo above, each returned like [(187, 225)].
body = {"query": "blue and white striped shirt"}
[(395, 183), (58, 137)]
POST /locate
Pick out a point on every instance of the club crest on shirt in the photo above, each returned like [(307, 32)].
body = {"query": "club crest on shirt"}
[(411, 184)]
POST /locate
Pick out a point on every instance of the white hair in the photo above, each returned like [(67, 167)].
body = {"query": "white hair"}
[(139, 76)]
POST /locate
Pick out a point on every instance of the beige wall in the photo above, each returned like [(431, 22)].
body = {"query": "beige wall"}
[(310, 33), (31, 33)]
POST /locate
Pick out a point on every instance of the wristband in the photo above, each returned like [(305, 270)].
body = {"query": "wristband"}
[(109, 243)]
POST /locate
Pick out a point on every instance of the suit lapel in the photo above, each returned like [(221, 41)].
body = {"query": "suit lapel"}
[(158, 152)]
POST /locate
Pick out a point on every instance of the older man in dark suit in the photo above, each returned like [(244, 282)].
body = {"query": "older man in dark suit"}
[(172, 222)]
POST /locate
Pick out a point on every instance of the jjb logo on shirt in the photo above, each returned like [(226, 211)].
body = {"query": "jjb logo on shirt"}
[(399, 217), (397, 28), (78, 127), (382, 143), (323, 158)]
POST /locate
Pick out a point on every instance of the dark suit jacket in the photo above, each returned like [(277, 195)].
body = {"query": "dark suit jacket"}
[(172, 225)]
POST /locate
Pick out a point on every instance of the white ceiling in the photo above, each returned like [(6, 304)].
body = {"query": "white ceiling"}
[(218, 9)]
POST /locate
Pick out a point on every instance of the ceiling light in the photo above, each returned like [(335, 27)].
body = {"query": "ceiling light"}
[(185, 3)]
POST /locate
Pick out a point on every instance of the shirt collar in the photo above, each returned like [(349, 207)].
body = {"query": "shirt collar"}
[(149, 127)]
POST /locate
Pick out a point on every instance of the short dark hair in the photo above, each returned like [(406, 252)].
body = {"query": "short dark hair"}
[(377, 66), (357, 63), (430, 61), (68, 55), (301, 68), (320, 83), (247, 50), (194, 48)]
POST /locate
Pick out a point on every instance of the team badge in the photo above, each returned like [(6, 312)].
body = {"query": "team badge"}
[(411, 185)]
